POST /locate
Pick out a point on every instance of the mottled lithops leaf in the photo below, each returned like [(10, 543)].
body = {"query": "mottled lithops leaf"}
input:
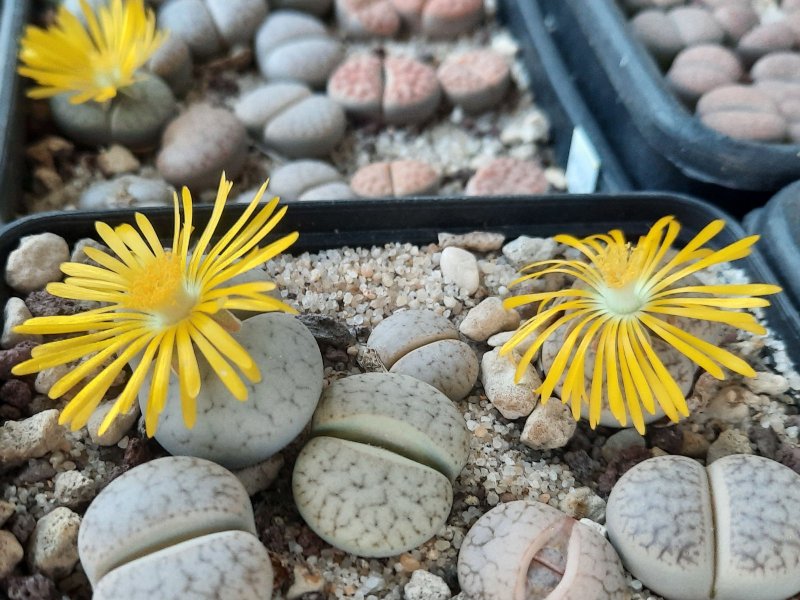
[(531, 551), (157, 504), (232, 565), (237, 434), (448, 365), (659, 520), (407, 330), (730, 531), (757, 518), (367, 500), (399, 413)]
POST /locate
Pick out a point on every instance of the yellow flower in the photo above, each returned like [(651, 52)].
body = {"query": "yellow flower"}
[(624, 293), (159, 304), (91, 62)]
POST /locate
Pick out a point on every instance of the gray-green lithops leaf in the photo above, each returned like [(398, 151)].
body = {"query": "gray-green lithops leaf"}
[(367, 500), (156, 505), (525, 550), (425, 345), (238, 434), (375, 479), (399, 413), (227, 565), (730, 531)]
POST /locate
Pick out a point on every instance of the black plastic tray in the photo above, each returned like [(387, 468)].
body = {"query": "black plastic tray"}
[(778, 223), (13, 16), (376, 222), (659, 143)]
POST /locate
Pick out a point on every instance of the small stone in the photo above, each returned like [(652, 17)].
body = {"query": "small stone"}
[(6, 510), (32, 587), (127, 191), (363, 18), (13, 356), (257, 478), (526, 250), (766, 441), (498, 339), (669, 439), (583, 503), (621, 440), (460, 267), (118, 428), (73, 488), (47, 378), (478, 241), (16, 313), (292, 180), (769, 384), (426, 586), (395, 179), (304, 582), (53, 545), (693, 445), (475, 80), (11, 553), (36, 262), (508, 177), (239, 434), (513, 400), (117, 160), (199, 144), (730, 441), (35, 471), (294, 46), (549, 426), (488, 318), (32, 438)]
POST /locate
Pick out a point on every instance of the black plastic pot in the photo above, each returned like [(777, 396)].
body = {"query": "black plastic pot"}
[(778, 223), (659, 143), (13, 16), (376, 222)]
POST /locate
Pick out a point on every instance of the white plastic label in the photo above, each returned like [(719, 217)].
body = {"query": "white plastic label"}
[(583, 164)]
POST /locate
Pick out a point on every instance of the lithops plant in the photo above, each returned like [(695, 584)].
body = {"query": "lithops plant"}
[(376, 477), (238, 434), (395, 179), (426, 346), (729, 531), (294, 46), (171, 527), (439, 18), (93, 74), (526, 550), (292, 120), (210, 26), (308, 180), (365, 18), (397, 90), (475, 80)]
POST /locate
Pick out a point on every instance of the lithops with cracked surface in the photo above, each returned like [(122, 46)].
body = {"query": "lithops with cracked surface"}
[(375, 480), (208, 27), (395, 178), (156, 504), (294, 46), (526, 550), (237, 434), (426, 346), (397, 90), (475, 80), (729, 531), (229, 564), (292, 120)]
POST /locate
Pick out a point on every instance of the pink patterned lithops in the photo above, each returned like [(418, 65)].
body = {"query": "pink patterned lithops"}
[(475, 80), (508, 177), (399, 90), (440, 18), (395, 179), (729, 531), (366, 18), (525, 550)]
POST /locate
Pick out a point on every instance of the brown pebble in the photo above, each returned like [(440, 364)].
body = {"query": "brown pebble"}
[(31, 587), (16, 393), (668, 439), (693, 445), (475, 80), (742, 112), (700, 69), (13, 356), (42, 303), (117, 160), (395, 179), (409, 563), (766, 38), (22, 525), (508, 177)]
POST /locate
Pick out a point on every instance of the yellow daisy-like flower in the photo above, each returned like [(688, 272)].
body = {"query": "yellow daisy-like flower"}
[(91, 62), (159, 305), (625, 293)]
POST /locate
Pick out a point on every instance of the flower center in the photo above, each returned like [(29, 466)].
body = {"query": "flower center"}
[(621, 265), (159, 288)]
